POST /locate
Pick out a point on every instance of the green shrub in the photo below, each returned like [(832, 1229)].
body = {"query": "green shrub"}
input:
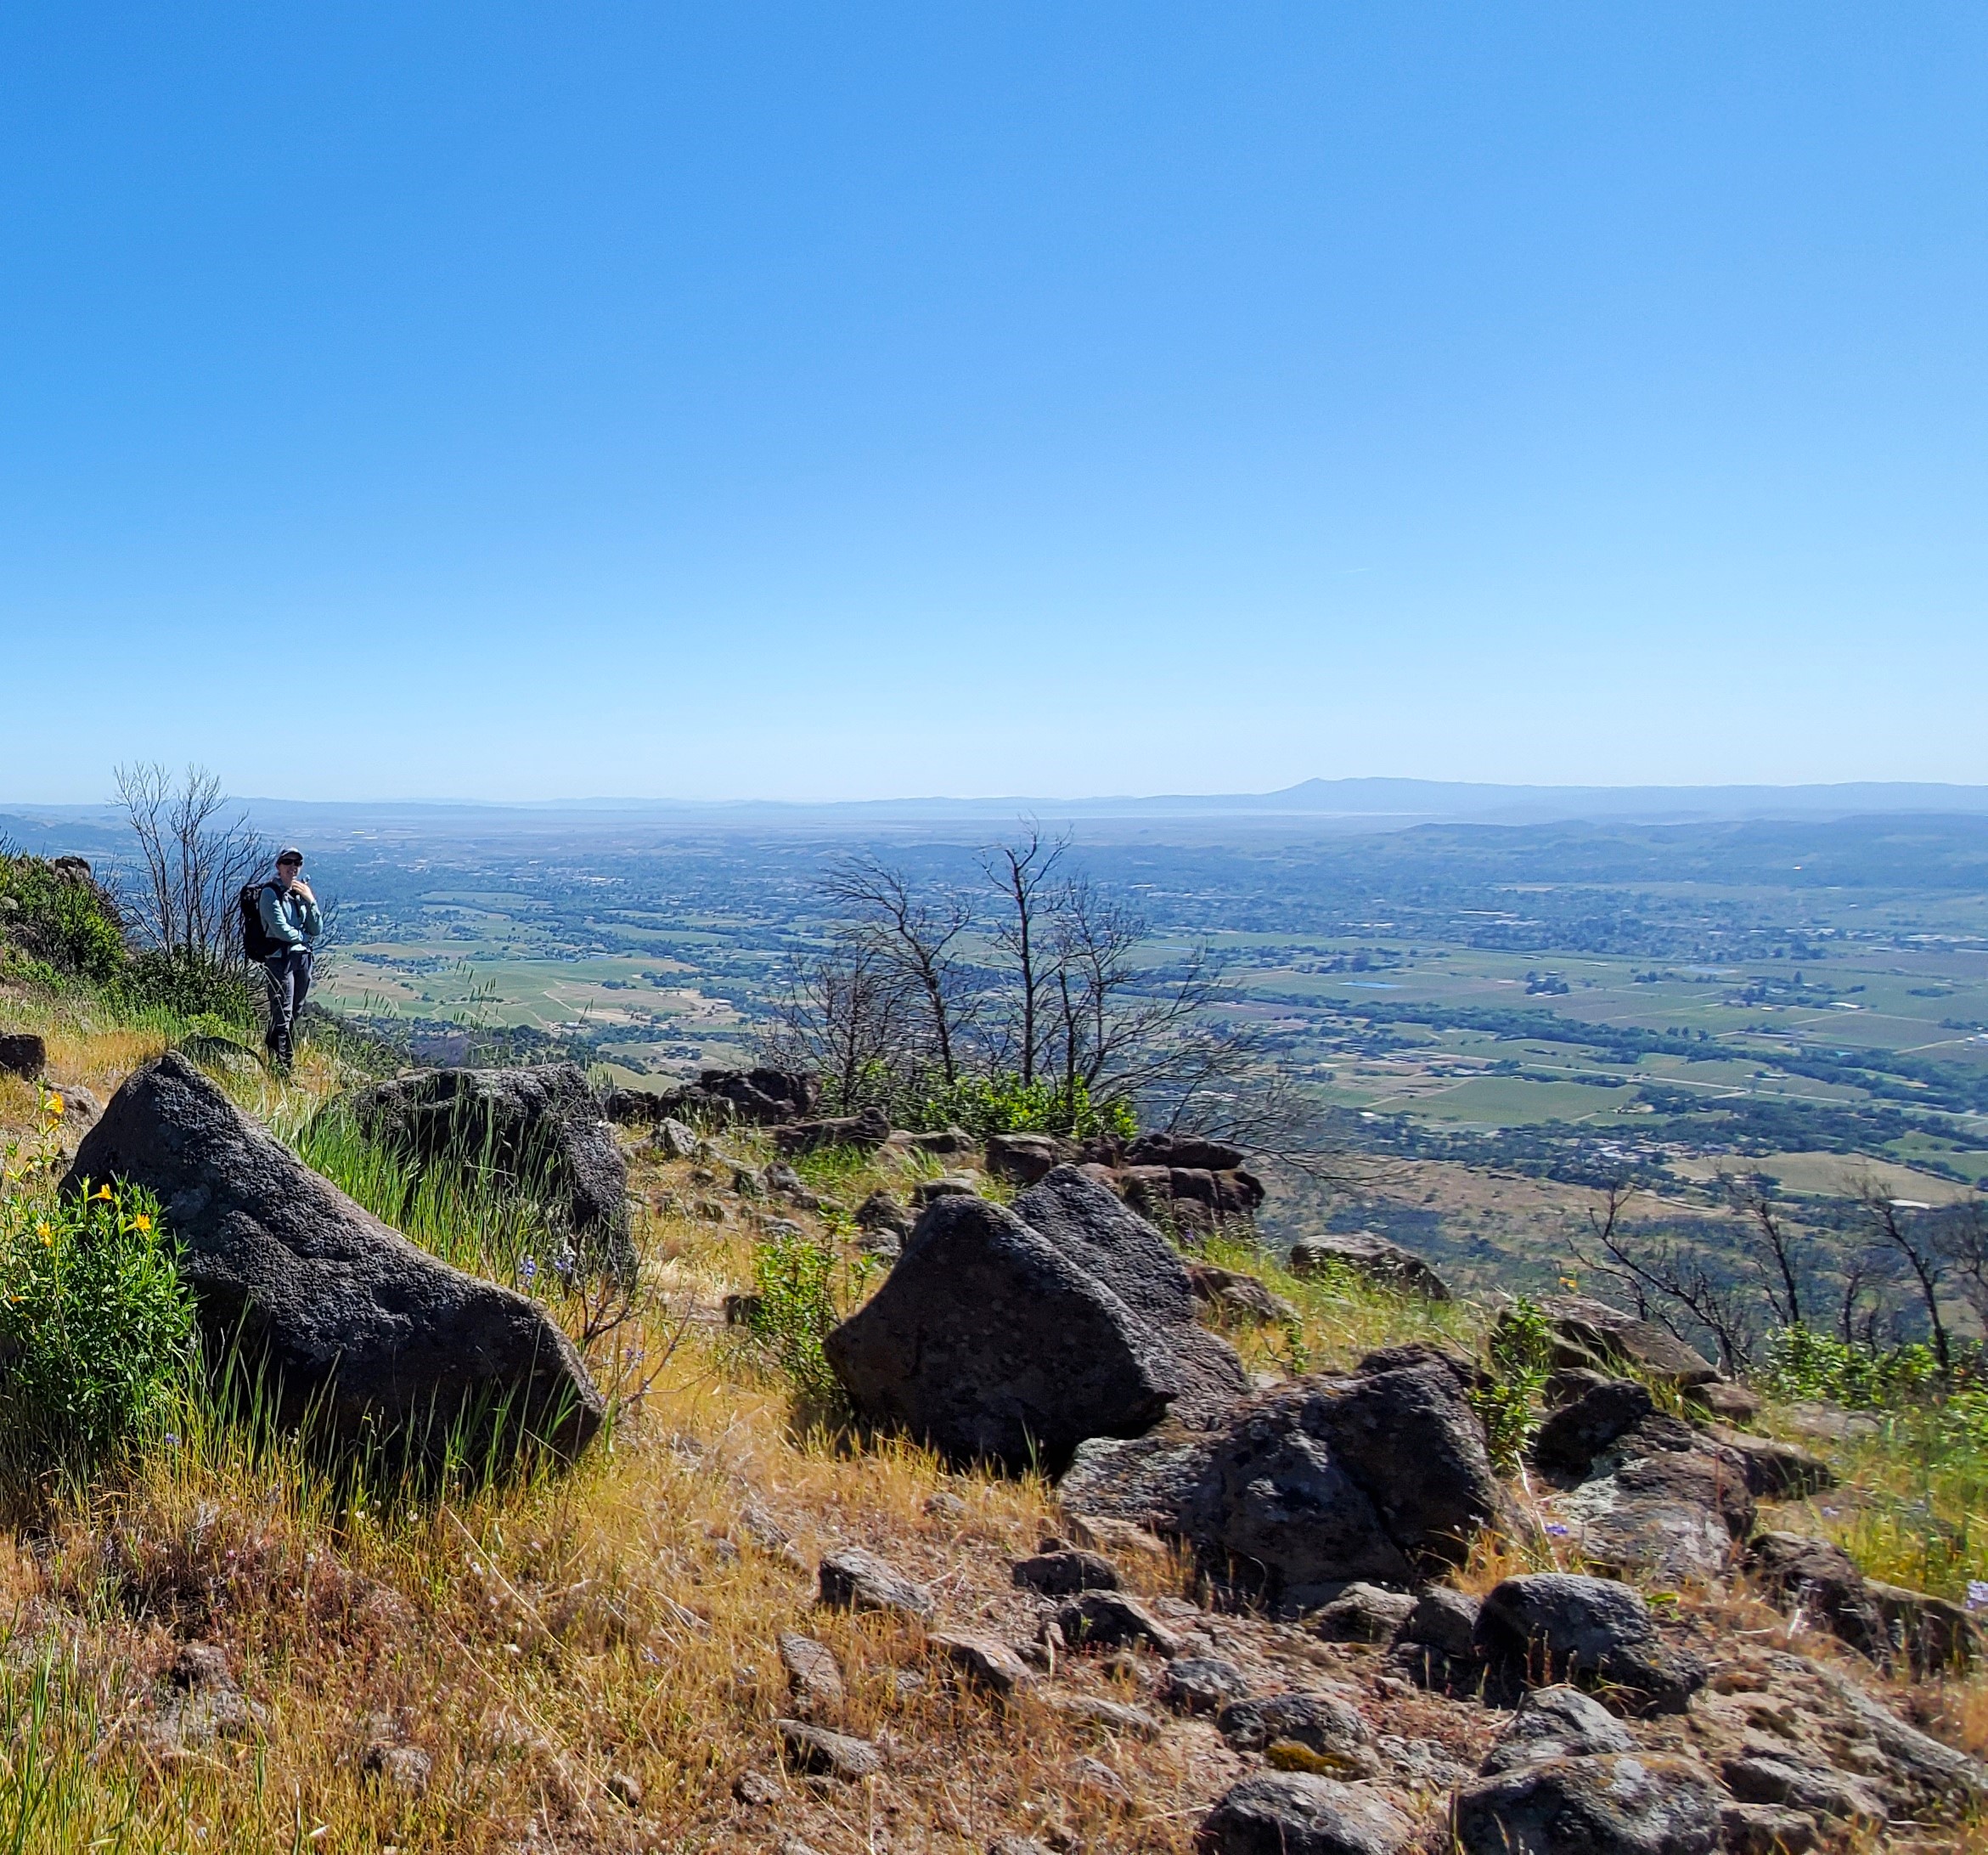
[(795, 1304), (1005, 1104), (95, 1324), (1804, 1363), (61, 919), (1521, 1359), (200, 991)]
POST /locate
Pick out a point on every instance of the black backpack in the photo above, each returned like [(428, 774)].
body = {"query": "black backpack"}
[(255, 943)]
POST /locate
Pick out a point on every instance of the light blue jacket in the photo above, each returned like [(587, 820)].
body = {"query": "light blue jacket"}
[(288, 919)]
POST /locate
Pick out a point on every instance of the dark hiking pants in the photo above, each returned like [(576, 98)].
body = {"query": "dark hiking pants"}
[(289, 974)]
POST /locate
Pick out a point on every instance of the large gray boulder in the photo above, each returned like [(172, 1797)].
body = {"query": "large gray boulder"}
[(1012, 1336), (1298, 1813), (1307, 1488), (988, 1343), (350, 1319), (541, 1128), (1619, 1803), (1366, 1254), (1549, 1626), (1113, 1244)]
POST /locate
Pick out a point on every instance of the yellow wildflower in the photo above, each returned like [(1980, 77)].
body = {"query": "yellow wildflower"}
[(140, 1222), (56, 1105), (102, 1192)]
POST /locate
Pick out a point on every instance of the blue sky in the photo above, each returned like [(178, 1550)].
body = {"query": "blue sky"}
[(751, 401)]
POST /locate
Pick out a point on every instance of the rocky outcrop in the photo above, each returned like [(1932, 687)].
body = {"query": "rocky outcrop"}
[(759, 1097), (1611, 1804), (988, 1343), (23, 1053), (1551, 1627), (348, 1318), (1298, 1813), (1114, 1245), (1366, 1253), (1893, 1626), (1663, 1500), (1309, 1487), (539, 1127), (1591, 1334), (866, 1131)]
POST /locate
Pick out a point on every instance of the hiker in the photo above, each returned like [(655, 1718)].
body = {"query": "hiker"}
[(287, 913)]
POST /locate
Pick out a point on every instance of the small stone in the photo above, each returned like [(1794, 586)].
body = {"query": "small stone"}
[(944, 1505), (811, 1669), (1766, 1829), (406, 1769), (1443, 1620), (625, 1790), (675, 1140), (756, 1790), (909, 1682), (1556, 1722), (1202, 1683), (1094, 1775), (1107, 1620), (817, 1752), (1107, 1715), (855, 1580), (1017, 1844), (201, 1667), (994, 1665), (1802, 1786), (1318, 1732), (1059, 1573), (1364, 1613)]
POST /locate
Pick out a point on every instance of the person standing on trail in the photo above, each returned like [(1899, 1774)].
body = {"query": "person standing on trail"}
[(290, 924)]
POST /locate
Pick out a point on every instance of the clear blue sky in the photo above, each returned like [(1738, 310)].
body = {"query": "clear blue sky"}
[(838, 401)]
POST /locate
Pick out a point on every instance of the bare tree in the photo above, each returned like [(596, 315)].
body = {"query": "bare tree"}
[(913, 936), (1772, 1249), (1914, 1241), (1668, 1283), (841, 1016), (1967, 1247), (1025, 872), (197, 855)]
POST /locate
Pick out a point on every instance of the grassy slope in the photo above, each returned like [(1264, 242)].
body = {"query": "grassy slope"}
[(537, 1640)]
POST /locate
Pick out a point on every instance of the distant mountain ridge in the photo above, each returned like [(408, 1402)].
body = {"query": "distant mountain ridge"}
[(1371, 803)]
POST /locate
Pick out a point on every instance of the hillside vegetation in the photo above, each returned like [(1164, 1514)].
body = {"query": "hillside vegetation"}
[(217, 1635)]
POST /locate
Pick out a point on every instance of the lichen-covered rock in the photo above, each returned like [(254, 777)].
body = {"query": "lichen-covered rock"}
[(1296, 1814), (1367, 1254), (1621, 1803), (1556, 1722)]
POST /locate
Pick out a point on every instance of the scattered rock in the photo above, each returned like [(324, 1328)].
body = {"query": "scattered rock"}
[(855, 1580), (993, 1665), (1234, 1296), (1060, 1574), (812, 1673), (756, 1791), (24, 1054), (880, 1211), (943, 1506), (1761, 1829), (1883, 1622), (1723, 1399), (198, 1706), (1820, 1792), (1022, 1158), (1094, 1775), (759, 1097), (358, 1327), (1110, 1620), (1187, 1150), (540, 1126), (1320, 1724), (947, 1185), (818, 1752), (674, 1141), (404, 1768), (1592, 1334), (1549, 1626), (1364, 1613), (1620, 1803), (1556, 1722), (1585, 1425), (625, 1788), (1373, 1256), (866, 1131), (1443, 1620), (1776, 1471), (1107, 1715), (1202, 1683), (1295, 1813), (1669, 1504)]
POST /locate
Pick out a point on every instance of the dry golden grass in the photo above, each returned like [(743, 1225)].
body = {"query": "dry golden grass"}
[(545, 1642)]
